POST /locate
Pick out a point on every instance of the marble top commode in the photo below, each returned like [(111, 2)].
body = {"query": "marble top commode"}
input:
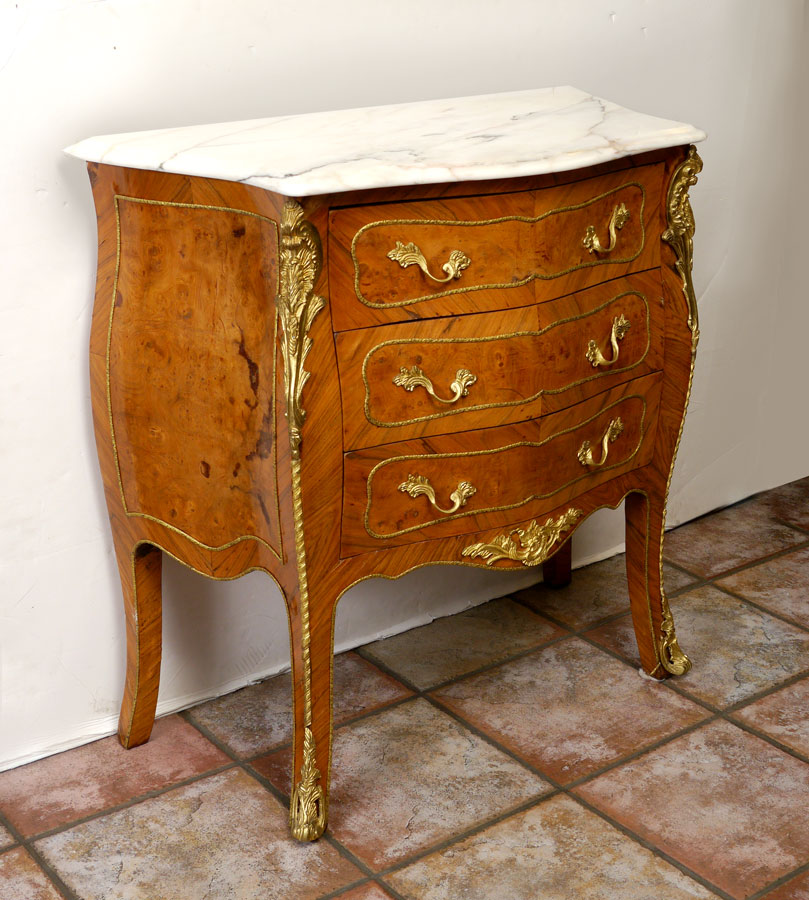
[(466, 139)]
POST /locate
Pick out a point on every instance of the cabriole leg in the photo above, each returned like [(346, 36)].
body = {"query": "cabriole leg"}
[(140, 571), (660, 654), (311, 674)]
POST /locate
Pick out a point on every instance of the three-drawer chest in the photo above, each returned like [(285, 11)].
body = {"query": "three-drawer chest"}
[(351, 344)]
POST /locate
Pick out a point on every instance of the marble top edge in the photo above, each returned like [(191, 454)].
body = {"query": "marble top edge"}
[(492, 136)]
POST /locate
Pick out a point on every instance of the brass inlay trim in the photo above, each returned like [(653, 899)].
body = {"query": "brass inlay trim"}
[(409, 255), (534, 545), (620, 326), (500, 337), (680, 234), (611, 434), (619, 218), (129, 513), (414, 377), (467, 455), (418, 485), (530, 220)]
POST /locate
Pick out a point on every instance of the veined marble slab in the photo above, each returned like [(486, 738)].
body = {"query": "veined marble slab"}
[(465, 139)]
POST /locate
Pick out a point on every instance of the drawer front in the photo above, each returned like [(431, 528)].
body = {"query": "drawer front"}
[(445, 375), (459, 484), (401, 261)]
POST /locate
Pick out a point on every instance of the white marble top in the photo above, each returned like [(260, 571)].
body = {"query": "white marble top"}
[(466, 139)]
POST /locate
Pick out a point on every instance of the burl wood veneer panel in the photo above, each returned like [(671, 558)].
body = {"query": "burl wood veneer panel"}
[(191, 360)]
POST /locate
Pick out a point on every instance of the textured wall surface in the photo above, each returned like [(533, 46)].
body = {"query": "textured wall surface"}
[(73, 68)]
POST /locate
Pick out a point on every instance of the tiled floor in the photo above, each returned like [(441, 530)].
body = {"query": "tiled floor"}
[(511, 752)]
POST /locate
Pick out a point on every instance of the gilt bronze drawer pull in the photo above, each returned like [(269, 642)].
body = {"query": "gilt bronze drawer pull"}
[(414, 377), (585, 454), (418, 484), (619, 218), (409, 254), (620, 326)]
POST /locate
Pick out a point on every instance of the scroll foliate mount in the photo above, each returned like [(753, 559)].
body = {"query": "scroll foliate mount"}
[(297, 303)]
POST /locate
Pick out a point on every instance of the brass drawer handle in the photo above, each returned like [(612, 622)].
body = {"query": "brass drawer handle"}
[(620, 326), (414, 377), (585, 454), (409, 254), (418, 484), (619, 218)]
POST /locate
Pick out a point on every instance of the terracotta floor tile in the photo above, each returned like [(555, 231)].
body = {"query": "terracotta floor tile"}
[(569, 709), (736, 650), (781, 585), (731, 807), (728, 538), (554, 851), (783, 715), (794, 889), (789, 503), (22, 879), (6, 838), (370, 891), (277, 767), (259, 717), (596, 592), (411, 776), (220, 837), (454, 645), (76, 783)]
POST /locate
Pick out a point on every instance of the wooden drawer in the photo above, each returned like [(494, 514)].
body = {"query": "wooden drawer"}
[(525, 467), (501, 367), (509, 250)]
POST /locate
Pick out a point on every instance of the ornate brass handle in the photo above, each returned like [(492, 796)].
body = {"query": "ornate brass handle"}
[(409, 255), (414, 377), (620, 326), (585, 454), (418, 484), (619, 218)]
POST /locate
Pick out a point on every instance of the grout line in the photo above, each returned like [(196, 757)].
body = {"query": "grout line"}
[(239, 762), (17, 836), (392, 891), (679, 567), (22, 843), (360, 882), (799, 528), (341, 892), (464, 835), (779, 882), (492, 742), (749, 564), (783, 748), (126, 804), (655, 851), (756, 605), (498, 662), (347, 854), (636, 754), (765, 692), (52, 875)]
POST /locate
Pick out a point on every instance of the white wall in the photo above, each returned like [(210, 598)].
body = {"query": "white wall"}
[(72, 68)]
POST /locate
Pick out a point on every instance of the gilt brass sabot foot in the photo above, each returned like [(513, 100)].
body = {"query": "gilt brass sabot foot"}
[(672, 657), (307, 805)]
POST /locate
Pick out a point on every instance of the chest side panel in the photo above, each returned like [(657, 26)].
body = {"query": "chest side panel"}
[(191, 369)]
